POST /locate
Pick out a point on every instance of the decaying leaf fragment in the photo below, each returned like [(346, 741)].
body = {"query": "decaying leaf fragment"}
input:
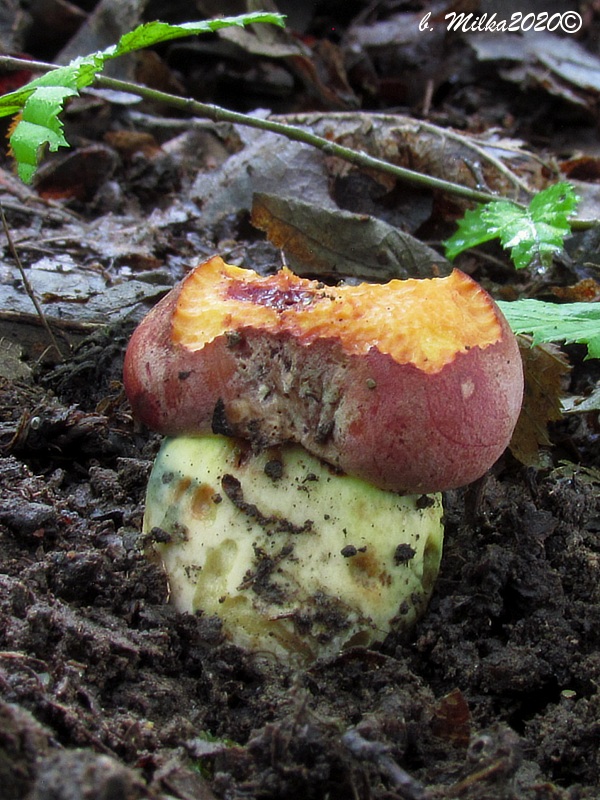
[(558, 65), (546, 368), (320, 241)]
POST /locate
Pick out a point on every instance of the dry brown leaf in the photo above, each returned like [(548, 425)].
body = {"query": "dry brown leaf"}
[(489, 161), (581, 167), (333, 243), (452, 719), (546, 368)]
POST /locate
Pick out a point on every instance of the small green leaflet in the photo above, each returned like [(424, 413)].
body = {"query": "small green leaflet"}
[(533, 234), (154, 32), (42, 99), (39, 123), (552, 322)]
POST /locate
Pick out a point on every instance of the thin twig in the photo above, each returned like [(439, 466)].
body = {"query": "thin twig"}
[(219, 114), (292, 132), (27, 285), (11, 62), (55, 216)]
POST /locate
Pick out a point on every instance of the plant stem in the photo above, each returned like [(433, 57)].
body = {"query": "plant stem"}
[(293, 132)]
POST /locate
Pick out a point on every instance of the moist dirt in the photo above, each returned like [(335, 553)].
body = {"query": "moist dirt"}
[(108, 692)]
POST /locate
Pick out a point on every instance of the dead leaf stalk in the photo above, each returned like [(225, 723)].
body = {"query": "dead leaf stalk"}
[(27, 284)]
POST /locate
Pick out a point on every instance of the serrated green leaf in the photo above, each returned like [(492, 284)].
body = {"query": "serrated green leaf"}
[(26, 145), (40, 125), (555, 204), (48, 102), (551, 322), (473, 230), (42, 99), (152, 33), (76, 75), (533, 234)]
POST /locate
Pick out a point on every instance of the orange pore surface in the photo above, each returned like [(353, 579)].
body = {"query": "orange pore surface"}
[(423, 322)]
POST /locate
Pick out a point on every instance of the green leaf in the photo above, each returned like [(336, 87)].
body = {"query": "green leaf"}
[(39, 126), (472, 230), (153, 33), (532, 234), (79, 73), (42, 99), (552, 322)]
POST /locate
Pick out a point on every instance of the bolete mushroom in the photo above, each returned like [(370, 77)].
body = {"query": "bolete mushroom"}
[(311, 430), (295, 559)]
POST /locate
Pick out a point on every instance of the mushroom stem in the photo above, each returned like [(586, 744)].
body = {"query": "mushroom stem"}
[(294, 558)]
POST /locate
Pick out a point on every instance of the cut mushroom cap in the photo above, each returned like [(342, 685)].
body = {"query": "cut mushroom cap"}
[(414, 386), (294, 559)]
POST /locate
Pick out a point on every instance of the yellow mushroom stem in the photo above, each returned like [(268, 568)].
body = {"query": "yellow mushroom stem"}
[(295, 559)]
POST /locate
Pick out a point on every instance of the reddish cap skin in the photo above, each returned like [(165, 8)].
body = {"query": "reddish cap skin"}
[(390, 423), (170, 389), (426, 433)]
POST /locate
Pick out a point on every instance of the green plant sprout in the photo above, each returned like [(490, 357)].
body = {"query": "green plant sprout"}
[(532, 234)]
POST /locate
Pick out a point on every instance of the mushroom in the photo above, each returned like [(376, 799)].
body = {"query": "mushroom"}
[(311, 430), (295, 559)]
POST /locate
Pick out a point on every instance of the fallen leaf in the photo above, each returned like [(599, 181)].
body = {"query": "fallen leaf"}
[(546, 368), (333, 243), (452, 719), (582, 167), (558, 65), (267, 163), (582, 404)]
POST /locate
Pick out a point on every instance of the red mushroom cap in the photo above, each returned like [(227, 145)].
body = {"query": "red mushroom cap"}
[(414, 385)]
